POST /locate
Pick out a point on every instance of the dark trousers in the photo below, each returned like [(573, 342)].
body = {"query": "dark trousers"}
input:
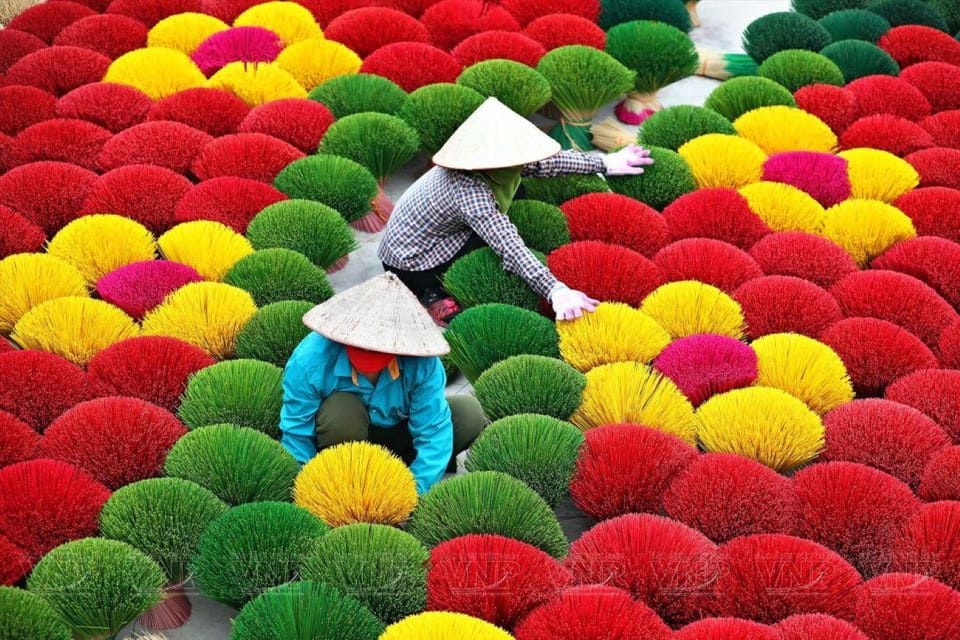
[(343, 418), (421, 281)]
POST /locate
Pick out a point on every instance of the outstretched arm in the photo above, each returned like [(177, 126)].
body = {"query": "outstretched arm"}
[(628, 161), (480, 212), (565, 163)]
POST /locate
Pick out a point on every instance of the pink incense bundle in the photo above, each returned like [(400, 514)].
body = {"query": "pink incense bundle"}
[(705, 365), (823, 176), (139, 287), (239, 44)]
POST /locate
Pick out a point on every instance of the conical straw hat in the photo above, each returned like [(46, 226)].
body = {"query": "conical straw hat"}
[(380, 314), (495, 137)]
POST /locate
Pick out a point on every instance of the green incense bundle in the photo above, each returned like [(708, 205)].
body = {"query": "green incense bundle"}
[(583, 80)]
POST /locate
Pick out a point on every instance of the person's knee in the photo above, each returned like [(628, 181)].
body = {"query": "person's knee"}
[(342, 418), (468, 421)]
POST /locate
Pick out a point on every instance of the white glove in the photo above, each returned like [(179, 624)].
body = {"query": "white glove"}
[(569, 303), (629, 161)]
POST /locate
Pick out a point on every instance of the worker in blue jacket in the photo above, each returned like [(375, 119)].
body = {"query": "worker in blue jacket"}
[(370, 371)]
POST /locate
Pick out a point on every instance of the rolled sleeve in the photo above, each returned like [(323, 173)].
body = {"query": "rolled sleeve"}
[(482, 215), (565, 163), (430, 425), (298, 413)]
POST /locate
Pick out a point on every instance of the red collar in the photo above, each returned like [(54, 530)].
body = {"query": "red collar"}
[(369, 362)]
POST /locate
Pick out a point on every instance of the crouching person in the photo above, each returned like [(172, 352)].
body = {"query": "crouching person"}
[(370, 370)]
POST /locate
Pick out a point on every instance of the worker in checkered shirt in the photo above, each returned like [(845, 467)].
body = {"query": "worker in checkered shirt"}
[(460, 205)]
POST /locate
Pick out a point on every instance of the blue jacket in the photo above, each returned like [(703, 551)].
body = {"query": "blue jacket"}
[(319, 367)]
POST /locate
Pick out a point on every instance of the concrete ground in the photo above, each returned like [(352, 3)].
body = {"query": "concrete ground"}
[(723, 22)]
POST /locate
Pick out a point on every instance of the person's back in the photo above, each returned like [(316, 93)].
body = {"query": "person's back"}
[(462, 204), (427, 219)]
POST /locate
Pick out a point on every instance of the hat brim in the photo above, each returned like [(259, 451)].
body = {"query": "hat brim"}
[(382, 315), (468, 164), (494, 137)]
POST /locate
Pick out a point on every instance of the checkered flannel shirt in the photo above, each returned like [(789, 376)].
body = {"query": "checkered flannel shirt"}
[(434, 218)]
